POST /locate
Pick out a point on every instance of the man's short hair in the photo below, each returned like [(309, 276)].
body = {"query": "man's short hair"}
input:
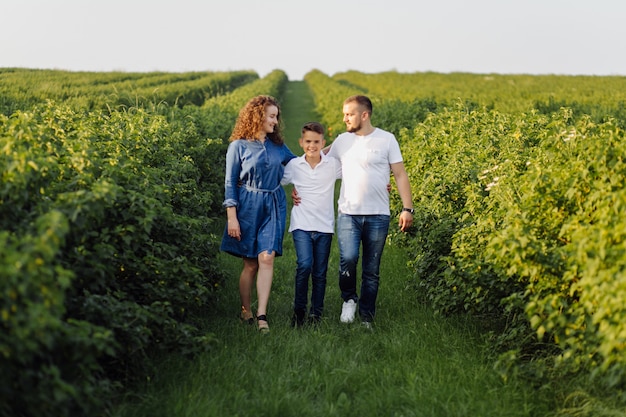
[(362, 101)]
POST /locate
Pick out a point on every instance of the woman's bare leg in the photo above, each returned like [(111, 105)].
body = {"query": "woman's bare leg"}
[(246, 281), (264, 282)]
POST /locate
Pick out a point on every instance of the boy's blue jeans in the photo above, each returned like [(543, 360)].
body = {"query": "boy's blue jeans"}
[(312, 251), (352, 231)]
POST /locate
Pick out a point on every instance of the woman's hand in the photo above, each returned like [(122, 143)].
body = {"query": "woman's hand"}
[(233, 229)]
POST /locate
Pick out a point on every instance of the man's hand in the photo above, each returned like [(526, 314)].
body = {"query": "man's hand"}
[(405, 221), (295, 197)]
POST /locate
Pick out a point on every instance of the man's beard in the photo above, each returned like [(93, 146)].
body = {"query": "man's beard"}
[(354, 129)]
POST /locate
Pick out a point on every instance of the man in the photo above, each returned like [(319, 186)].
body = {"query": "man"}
[(368, 154)]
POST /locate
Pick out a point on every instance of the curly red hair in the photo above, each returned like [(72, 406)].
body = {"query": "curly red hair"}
[(251, 118)]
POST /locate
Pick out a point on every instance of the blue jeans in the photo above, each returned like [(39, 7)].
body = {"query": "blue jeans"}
[(352, 231), (312, 251)]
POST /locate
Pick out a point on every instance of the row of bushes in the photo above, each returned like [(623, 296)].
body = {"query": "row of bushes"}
[(519, 220), (20, 89), (597, 96), (108, 253), (538, 240)]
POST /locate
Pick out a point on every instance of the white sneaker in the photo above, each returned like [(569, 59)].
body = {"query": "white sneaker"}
[(348, 311)]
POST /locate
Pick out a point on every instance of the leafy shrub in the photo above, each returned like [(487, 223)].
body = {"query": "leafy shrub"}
[(107, 222), (519, 220), (120, 196), (49, 361), (566, 244)]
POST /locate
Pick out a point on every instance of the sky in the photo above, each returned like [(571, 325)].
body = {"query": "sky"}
[(568, 37)]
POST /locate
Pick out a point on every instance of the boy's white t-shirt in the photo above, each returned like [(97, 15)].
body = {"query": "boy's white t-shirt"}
[(316, 188), (365, 163)]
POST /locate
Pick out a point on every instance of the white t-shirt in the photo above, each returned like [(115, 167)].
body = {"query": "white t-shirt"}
[(365, 163), (316, 188)]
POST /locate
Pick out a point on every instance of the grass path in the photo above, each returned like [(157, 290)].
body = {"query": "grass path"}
[(412, 364)]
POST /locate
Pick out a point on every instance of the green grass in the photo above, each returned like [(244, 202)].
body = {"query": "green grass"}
[(412, 364), (297, 109)]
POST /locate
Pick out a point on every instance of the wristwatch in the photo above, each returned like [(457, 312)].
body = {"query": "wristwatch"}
[(410, 210)]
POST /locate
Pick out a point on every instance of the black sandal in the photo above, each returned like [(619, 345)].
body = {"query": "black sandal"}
[(263, 329)]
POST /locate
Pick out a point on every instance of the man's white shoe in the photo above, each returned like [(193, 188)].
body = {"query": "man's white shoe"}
[(348, 311)]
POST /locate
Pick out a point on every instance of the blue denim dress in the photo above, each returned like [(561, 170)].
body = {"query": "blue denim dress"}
[(252, 184)]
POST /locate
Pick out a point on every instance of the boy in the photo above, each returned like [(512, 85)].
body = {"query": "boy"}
[(312, 220)]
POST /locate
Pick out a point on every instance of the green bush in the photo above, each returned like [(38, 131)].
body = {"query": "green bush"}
[(49, 361), (450, 159), (107, 221), (566, 244), (121, 254), (519, 221)]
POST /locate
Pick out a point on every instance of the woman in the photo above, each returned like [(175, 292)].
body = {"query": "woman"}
[(255, 201)]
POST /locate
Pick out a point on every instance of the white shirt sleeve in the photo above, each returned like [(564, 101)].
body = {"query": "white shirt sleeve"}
[(288, 173)]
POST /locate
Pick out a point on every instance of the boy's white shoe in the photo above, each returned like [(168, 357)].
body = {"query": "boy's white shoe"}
[(348, 311)]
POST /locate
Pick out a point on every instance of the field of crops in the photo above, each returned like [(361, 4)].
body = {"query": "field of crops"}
[(520, 206), (112, 188), (107, 215)]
